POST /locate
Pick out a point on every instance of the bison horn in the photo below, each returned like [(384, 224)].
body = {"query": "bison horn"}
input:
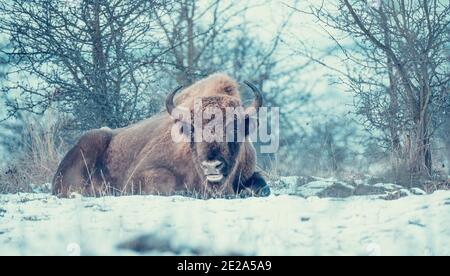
[(169, 100), (258, 102)]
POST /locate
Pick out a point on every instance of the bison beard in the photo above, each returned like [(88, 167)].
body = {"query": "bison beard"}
[(143, 159)]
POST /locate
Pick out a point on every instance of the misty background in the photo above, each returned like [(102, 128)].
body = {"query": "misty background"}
[(362, 86)]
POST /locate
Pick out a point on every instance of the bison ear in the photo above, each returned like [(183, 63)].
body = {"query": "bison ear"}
[(251, 124)]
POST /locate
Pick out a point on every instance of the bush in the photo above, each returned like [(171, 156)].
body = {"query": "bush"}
[(39, 153)]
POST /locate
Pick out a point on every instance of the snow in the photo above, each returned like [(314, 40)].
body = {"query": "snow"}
[(40, 224), (317, 187)]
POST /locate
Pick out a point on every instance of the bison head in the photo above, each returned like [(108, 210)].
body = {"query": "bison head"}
[(216, 129)]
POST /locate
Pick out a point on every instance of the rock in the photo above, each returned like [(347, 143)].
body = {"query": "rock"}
[(395, 195), (291, 185), (330, 187), (374, 180), (313, 188), (302, 180), (338, 190), (418, 191), (364, 189)]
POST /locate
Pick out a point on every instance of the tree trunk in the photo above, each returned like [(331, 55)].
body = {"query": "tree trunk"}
[(392, 121), (420, 156), (190, 36), (422, 159), (99, 78)]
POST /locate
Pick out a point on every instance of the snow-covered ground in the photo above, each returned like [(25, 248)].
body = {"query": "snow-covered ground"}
[(40, 224)]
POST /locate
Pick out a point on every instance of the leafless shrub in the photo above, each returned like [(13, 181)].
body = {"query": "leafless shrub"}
[(397, 68), (33, 166)]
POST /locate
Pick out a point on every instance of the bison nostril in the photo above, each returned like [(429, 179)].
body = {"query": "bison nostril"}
[(219, 165)]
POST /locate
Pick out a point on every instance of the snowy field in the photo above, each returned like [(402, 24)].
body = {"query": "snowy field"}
[(40, 224)]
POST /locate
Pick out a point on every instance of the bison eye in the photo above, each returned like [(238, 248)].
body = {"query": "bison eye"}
[(228, 89), (186, 129)]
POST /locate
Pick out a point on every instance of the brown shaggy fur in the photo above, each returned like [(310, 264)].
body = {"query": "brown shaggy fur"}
[(215, 85), (143, 159)]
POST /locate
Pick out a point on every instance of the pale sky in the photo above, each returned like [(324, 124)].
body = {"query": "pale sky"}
[(302, 29)]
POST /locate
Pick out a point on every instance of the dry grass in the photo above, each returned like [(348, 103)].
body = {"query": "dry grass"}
[(34, 166), (432, 186)]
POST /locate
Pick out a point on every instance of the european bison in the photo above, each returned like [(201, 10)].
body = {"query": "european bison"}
[(143, 158)]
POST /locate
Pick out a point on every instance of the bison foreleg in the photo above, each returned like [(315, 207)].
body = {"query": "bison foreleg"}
[(158, 181), (81, 171), (255, 186)]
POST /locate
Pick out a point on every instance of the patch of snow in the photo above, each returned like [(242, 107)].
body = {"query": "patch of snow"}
[(346, 185), (285, 185), (41, 188), (316, 188), (40, 224), (405, 192), (418, 191), (327, 179), (290, 180)]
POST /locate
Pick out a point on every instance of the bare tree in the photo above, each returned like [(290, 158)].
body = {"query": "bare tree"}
[(88, 58), (111, 62), (195, 37), (396, 54)]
